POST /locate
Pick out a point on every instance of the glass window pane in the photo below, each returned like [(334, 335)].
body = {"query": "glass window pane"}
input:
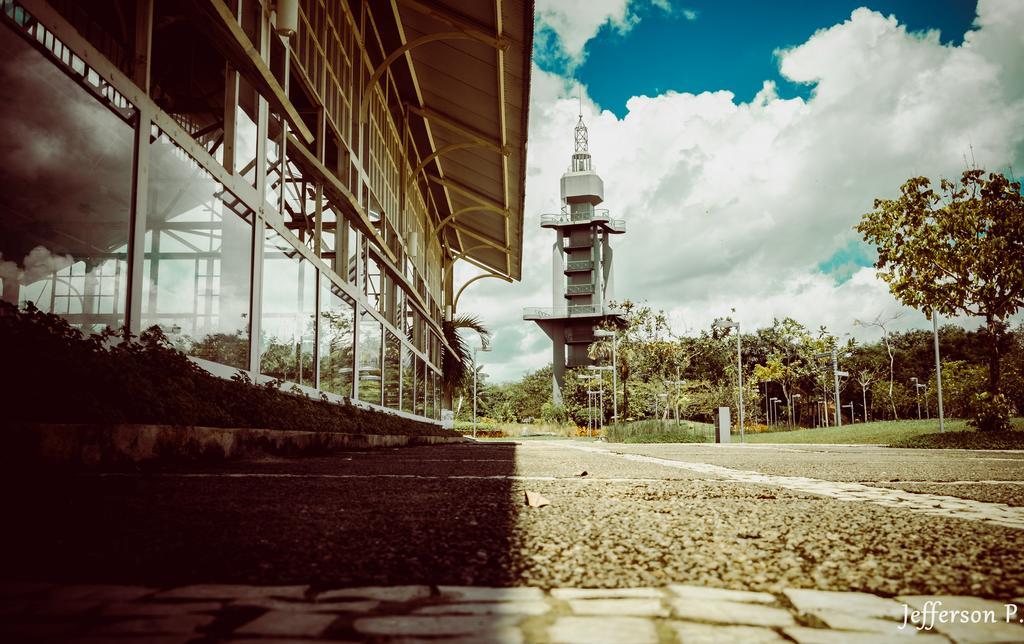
[(179, 36), (429, 412), (437, 396), (408, 379), (246, 135), (197, 273), (370, 338), (275, 164), (392, 367), (420, 380), (289, 312), (65, 192), (350, 269), (337, 320)]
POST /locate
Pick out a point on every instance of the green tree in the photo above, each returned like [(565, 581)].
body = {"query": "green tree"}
[(529, 394), (958, 250), (961, 382)]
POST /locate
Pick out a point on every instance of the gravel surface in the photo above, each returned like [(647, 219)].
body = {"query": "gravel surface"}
[(401, 520), (847, 463)]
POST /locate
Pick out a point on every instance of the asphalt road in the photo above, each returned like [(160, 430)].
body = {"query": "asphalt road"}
[(456, 515)]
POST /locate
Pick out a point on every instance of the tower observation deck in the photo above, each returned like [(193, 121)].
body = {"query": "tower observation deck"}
[(581, 256)]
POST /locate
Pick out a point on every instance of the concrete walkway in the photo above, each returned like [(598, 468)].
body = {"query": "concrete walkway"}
[(678, 613)]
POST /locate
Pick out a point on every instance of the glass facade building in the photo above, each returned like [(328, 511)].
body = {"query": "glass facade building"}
[(282, 194)]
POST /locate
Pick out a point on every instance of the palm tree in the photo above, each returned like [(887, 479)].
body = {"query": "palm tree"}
[(457, 363)]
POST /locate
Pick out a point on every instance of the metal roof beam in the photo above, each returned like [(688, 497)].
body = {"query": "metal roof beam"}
[(455, 125), (470, 193), (496, 245), (477, 30)]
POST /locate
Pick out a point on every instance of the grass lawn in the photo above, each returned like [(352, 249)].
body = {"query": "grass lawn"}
[(877, 433)]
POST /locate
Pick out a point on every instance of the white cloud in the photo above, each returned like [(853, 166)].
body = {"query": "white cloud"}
[(690, 14), (574, 22), (736, 204)]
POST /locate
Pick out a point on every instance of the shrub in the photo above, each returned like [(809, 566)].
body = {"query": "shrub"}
[(992, 413), (53, 373)]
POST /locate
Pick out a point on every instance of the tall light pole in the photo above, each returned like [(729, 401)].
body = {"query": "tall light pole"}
[(938, 369), (775, 410), (483, 347), (722, 324), (601, 333)]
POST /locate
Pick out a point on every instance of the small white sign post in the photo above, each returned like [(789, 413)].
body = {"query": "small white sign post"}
[(722, 425)]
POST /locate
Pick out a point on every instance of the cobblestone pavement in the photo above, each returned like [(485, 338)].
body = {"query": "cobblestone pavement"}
[(678, 613), (675, 543)]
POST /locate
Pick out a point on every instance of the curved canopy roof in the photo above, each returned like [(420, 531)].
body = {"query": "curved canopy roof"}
[(469, 62)]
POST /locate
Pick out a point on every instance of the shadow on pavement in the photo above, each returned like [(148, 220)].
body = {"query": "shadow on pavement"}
[(352, 518)]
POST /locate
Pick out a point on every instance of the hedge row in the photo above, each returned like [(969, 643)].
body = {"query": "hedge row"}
[(51, 372)]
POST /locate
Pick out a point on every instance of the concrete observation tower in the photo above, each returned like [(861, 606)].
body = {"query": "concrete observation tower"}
[(581, 257)]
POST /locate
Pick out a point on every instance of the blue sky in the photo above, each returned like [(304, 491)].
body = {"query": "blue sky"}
[(711, 45)]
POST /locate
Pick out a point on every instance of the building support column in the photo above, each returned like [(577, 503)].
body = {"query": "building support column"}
[(137, 238)]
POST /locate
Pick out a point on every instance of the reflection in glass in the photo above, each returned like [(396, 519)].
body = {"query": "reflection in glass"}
[(350, 267), (420, 380), (337, 319), (65, 192), (193, 94), (197, 272), (408, 379), (370, 339), (246, 135), (429, 411), (392, 370), (373, 283), (328, 244), (289, 312), (275, 164), (437, 399)]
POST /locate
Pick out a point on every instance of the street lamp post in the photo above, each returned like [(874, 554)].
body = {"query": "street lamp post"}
[(739, 364), (482, 347), (601, 333), (601, 387), (791, 405), (676, 384), (850, 405), (917, 395), (835, 380), (775, 410), (590, 403), (938, 369), (767, 416)]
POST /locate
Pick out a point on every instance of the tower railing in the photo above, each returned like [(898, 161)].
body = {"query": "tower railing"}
[(562, 218), (570, 311)]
